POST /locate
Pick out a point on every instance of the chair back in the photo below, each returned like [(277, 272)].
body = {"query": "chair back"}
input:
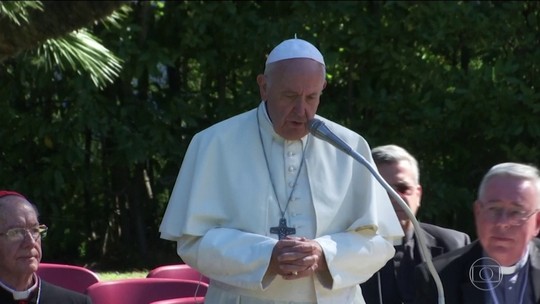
[(144, 290), (71, 277), (177, 271), (189, 300)]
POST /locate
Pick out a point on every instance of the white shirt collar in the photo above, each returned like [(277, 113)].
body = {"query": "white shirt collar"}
[(24, 294), (512, 269)]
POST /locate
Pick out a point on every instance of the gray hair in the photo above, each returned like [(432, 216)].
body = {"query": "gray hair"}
[(522, 171), (390, 154)]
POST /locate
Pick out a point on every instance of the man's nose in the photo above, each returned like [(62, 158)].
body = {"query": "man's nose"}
[(28, 236), (503, 218), (300, 105)]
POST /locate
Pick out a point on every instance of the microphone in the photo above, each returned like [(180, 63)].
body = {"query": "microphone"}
[(318, 129), (321, 131)]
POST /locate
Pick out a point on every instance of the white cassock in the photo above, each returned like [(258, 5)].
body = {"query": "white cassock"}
[(224, 203)]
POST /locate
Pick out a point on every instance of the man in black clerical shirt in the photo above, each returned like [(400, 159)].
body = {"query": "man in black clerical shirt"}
[(20, 254), (503, 265), (394, 282)]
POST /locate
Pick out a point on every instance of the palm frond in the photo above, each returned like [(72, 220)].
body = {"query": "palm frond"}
[(80, 51), (18, 11), (113, 20)]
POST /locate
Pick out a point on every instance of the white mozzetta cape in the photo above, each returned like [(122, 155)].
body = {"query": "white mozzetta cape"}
[(223, 205)]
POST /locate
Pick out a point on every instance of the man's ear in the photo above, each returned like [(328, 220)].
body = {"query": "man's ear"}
[(476, 208), (261, 81), (419, 189), (537, 221)]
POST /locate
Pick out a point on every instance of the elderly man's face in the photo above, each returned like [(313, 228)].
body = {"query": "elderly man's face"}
[(292, 92), (506, 219), (18, 258), (399, 175)]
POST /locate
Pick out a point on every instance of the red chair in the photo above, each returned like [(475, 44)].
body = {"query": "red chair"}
[(177, 271), (68, 276), (189, 300), (144, 291)]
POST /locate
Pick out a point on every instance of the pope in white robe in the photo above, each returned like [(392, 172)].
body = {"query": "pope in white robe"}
[(241, 177)]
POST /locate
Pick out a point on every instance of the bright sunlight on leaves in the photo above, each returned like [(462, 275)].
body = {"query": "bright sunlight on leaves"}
[(80, 50)]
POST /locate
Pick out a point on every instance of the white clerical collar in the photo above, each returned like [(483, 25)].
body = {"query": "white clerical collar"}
[(267, 125), (24, 294), (409, 234), (517, 266)]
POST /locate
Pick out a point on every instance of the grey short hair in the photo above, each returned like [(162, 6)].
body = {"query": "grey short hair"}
[(522, 171), (390, 154)]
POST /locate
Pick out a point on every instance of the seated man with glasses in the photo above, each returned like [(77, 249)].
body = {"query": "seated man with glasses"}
[(20, 254), (503, 265), (394, 282)]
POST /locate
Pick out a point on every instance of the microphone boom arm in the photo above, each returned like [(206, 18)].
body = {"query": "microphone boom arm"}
[(321, 131)]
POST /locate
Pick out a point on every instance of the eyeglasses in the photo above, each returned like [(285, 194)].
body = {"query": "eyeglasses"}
[(18, 234), (513, 217), (403, 188)]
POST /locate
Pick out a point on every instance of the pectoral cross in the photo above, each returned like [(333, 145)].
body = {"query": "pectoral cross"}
[(282, 230)]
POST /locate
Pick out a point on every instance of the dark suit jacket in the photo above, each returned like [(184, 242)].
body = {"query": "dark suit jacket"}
[(453, 269), (438, 241), (50, 294)]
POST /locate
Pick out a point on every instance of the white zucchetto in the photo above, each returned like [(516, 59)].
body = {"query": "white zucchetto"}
[(294, 48)]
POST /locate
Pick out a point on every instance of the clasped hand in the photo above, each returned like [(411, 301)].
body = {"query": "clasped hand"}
[(296, 257)]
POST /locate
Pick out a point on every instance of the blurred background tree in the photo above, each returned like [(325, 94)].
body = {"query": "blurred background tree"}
[(455, 83)]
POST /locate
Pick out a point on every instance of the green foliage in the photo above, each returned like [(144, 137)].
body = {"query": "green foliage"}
[(111, 276), (453, 82), (18, 11), (79, 50)]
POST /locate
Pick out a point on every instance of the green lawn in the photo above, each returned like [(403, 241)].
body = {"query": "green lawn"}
[(114, 275)]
